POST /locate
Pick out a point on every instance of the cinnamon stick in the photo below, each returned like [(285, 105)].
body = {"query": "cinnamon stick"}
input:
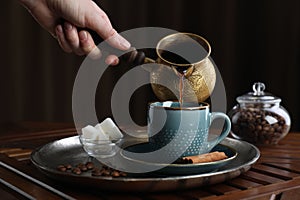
[(208, 157)]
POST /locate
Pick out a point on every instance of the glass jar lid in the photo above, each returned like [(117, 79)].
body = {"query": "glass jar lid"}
[(258, 95)]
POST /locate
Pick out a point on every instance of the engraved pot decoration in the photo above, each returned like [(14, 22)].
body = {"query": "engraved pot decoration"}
[(187, 54)]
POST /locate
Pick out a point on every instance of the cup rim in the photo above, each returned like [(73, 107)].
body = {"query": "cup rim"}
[(202, 107), (188, 34)]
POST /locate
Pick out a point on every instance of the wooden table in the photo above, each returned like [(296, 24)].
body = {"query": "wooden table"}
[(275, 176)]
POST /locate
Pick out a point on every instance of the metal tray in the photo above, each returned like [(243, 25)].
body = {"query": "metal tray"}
[(69, 150)]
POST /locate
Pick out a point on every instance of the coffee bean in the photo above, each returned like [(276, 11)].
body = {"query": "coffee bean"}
[(76, 170), (80, 165), (251, 124), (258, 127), (96, 172), (61, 168), (115, 173), (123, 174), (89, 165), (105, 172), (83, 168), (252, 127), (68, 166), (266, 127)]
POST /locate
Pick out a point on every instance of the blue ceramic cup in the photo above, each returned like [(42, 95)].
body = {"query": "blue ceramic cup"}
[(183, 130)]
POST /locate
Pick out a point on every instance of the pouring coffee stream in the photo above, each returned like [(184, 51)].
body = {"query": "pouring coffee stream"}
[(138, 57)]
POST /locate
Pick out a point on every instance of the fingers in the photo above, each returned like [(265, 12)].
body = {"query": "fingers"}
[(72, 38), (112, 60), (81, 43), (62, 39), (88, 46), (93, 51)]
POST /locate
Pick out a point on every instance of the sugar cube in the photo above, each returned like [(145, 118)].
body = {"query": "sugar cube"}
[(109, 128), (90, 132)]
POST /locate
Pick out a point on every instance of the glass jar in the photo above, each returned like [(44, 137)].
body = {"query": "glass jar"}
[(259, 118)]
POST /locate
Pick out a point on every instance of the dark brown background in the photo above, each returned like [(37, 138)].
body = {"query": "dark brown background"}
[(251, 41)]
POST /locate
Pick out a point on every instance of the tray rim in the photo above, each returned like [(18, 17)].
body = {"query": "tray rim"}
[(229, 173)]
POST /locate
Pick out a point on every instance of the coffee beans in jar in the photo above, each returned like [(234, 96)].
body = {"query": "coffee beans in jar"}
[(259, 118), (259, 126)]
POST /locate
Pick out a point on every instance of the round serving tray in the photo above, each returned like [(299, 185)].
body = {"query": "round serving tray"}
[(69, 150)]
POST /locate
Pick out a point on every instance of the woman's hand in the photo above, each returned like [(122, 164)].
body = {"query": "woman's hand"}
[(76, 15)]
